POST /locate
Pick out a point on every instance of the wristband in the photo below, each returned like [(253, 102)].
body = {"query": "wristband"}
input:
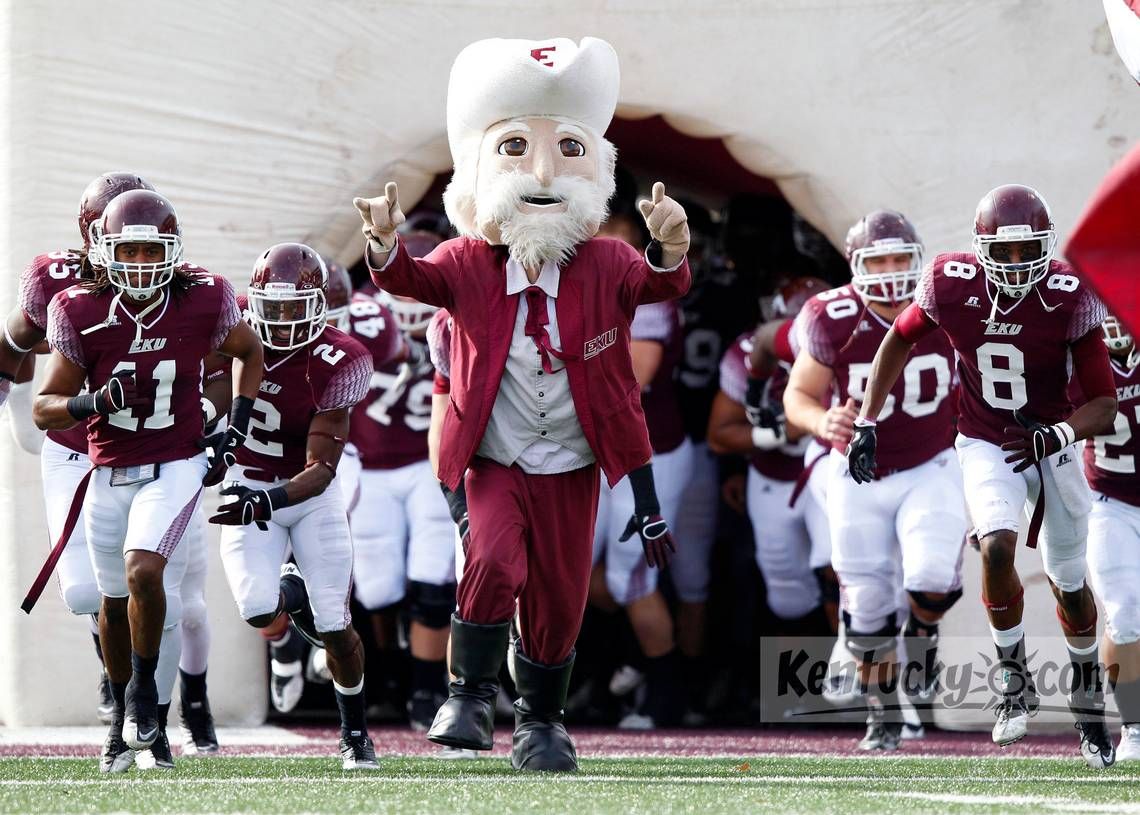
[(82, 406), (863, 421), (15, 345), (208, 410), (1065, 433), (240, 410), (278, 497)]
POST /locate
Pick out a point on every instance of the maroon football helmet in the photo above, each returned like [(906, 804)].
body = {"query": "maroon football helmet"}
[(137, 216), (793, 294), (884, 233), (99, 193), (287, 294), (339, 294), (411, 315), (1013, 214), (1119, 341)]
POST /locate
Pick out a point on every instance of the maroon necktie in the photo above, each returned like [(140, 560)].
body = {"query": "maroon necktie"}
[(536, 322)]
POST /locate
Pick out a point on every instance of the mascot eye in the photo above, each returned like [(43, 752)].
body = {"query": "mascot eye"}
[(572, 148), (513, 147)]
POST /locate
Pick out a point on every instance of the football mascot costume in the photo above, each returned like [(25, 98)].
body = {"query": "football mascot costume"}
[(542, 385)]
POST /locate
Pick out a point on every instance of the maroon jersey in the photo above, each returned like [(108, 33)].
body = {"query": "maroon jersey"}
[(45, 277), (330, 373), (439, 349), (917, 419), (787, 462), (165, 352), (661, 322), (1012, 355), (389, 426), (1110, 460)]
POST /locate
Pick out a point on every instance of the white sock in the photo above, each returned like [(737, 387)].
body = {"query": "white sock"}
[(343, 691), (1008, 637), (195, 646), (169, 652)]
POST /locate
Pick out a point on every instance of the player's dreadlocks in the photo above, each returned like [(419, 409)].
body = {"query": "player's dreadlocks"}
[(96, 281)]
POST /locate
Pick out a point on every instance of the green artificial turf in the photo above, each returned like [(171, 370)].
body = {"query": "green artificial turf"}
[(879, 785)]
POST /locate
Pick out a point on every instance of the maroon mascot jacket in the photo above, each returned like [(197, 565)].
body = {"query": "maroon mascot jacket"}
[(598, 291)]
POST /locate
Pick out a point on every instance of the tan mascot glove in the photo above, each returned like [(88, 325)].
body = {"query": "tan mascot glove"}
[(668, 225), (381, 216)]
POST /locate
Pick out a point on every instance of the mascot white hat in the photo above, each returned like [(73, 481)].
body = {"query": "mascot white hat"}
[(498, 79)]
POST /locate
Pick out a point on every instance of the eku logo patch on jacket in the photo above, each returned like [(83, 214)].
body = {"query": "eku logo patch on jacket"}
[(599, 343)]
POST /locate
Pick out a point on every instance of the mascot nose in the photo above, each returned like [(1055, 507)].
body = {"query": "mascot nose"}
[(543, 167)]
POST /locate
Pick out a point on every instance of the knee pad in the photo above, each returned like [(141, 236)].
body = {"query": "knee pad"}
[(82, 598), (1123, 625), (431, 605), (924, 601), (870, 644)]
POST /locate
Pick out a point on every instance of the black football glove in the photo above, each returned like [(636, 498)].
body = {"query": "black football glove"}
[(861, 453), (656, 539), (754, 401), (1032, 442), (250, 506), (457, 507), (221, 448)]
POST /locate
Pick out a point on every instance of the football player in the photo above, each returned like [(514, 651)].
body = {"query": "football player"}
[(402, 531), (1114, 535), (630, 579), (281, 482), (137, 334), (1020, 322), (907, 529), (792, 541)]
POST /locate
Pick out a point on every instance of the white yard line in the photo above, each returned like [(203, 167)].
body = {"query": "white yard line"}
[(264, 736), (1051, 804)]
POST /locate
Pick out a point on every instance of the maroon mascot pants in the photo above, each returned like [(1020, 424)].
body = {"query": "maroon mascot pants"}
[(532, 539)]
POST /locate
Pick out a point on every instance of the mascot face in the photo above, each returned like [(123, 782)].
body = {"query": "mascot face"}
[(537, 187)]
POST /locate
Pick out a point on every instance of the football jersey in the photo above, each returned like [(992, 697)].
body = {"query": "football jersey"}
[(439, 349), (661, 322), (329, 373), (164, 350), (42, 279), (1014, 355), (786, 462), (720, 304), (1110, 459), (917, 419), (390, 424)]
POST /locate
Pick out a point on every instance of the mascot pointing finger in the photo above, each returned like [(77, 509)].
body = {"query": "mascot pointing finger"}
[(543, 392)]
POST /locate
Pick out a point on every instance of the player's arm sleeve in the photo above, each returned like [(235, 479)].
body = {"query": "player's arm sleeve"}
[(1088, 315), (783, 342), (1091, 366), (428, 279), (733, 375), (652, 322), (811, 335), (348, 385), (229, 313), (31, 298), (61, 333), (914, 323), (644, 282), (439, 344), (924, 293)]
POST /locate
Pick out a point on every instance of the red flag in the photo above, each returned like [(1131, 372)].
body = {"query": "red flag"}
[(1105, 246)]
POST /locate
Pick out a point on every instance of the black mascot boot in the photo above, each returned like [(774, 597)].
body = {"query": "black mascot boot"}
[(541, 741), (467, 718)]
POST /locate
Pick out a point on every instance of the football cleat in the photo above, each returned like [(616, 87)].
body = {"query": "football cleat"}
[(637, 721), (302, 619), (317, 667), (881, 734), (117, 756), (141, 727), (912, 729), (456, 753), (106, 707), (357, 752), (1012, 720), (1096, 744), (1129, 747), (626, 679), (157, 756), (198, 736), (286, 684)]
